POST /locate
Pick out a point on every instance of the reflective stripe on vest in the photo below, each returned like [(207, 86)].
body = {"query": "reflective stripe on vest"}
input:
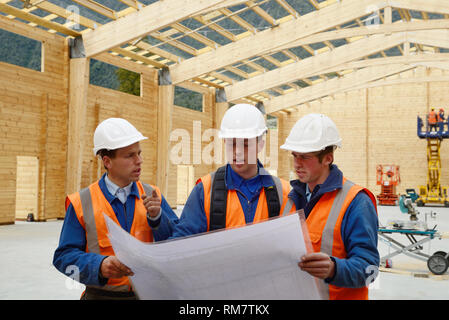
[(288, 207), (324, 226), (84, 208), (327, 240)]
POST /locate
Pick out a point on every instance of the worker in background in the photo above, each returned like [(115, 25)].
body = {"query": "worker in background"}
[(120, 195), (440, 119), (242, 191), (432, 120), (341, 217)]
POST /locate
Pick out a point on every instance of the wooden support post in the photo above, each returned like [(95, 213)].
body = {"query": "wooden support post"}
[(97, 163), (428, 91), (388, 17), (407, 49), (164, 126), (221, 105), (43, 158), (367, 137), (78, 84), (262, 156)]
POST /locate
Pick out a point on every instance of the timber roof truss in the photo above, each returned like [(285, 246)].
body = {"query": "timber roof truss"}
[(283, 53)]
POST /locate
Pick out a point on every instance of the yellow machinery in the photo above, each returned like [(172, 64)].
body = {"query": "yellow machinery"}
[(433, 192)]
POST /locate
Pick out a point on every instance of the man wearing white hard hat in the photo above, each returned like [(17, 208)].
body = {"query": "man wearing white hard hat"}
[(341, 216), (242, 191), (137, 207)]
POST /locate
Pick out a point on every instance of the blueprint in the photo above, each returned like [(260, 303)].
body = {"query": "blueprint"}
[(257, 261)]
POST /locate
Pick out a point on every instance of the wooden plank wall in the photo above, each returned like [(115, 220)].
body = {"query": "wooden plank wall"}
[(378, 126), (33, 108), (8, 191), (33, 119), (194, 123), (141, 111)]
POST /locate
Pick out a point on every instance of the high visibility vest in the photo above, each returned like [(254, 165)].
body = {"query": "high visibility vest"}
[(440, 117), (324, 224), (235, 216), (432, 117), (89, 205)]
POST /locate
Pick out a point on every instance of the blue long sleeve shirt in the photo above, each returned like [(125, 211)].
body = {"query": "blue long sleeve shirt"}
[(193, 218), (358, 230), (72, 241)]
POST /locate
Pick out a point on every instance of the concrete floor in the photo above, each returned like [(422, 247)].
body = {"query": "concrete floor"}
[(27, 273)]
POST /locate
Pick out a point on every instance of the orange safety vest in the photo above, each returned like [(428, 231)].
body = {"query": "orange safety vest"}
[(432, 117), (89, 205), (235, 217), (324, 224), (440, 118)]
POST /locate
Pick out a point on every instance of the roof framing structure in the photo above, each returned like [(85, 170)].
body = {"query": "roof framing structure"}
[(282, 53)]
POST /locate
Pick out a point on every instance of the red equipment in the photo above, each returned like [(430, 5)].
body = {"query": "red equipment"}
[(388, 178)]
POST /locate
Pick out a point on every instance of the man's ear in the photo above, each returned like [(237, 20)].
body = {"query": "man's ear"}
[(328, 158), (106, 162)]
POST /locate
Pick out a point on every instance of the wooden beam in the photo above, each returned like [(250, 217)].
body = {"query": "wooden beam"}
[(99, 8), (151, 18), (332, 86), (393, 82), (224, 4), (435, 38), (78, 85), (137, 57), (435, 65), (124, 63), (366, 31), (38, 20), (410, 59), (434, 6), (271, 39), (313, 65)]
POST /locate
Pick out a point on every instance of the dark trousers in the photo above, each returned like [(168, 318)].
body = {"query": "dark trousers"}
[(98, 294)]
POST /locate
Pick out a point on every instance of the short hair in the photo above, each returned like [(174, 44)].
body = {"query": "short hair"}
[(105, 152), (322, 153)]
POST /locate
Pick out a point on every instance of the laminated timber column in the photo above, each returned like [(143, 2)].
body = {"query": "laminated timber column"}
[(43, 158), (221, 105), (263, 153), (164, 126), (78, 85)]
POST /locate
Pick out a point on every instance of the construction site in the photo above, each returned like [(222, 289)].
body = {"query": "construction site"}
[(378, 68)]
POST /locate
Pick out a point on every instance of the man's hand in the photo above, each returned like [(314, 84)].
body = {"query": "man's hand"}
[(111, 267), (317, 264), (152, 204)]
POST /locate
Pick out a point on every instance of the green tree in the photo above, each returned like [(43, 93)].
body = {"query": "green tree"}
[(129, 81)]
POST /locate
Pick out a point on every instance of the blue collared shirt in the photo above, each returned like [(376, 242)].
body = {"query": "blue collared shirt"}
[(120, 193), (72, 241), (193, 219), (308, 193)]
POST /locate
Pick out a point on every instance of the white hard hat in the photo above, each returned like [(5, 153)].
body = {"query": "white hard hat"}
[(313, 132), (115, 133), (242, 121)]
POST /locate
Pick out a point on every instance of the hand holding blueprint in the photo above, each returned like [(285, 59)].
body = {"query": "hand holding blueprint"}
[(257, 261)]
